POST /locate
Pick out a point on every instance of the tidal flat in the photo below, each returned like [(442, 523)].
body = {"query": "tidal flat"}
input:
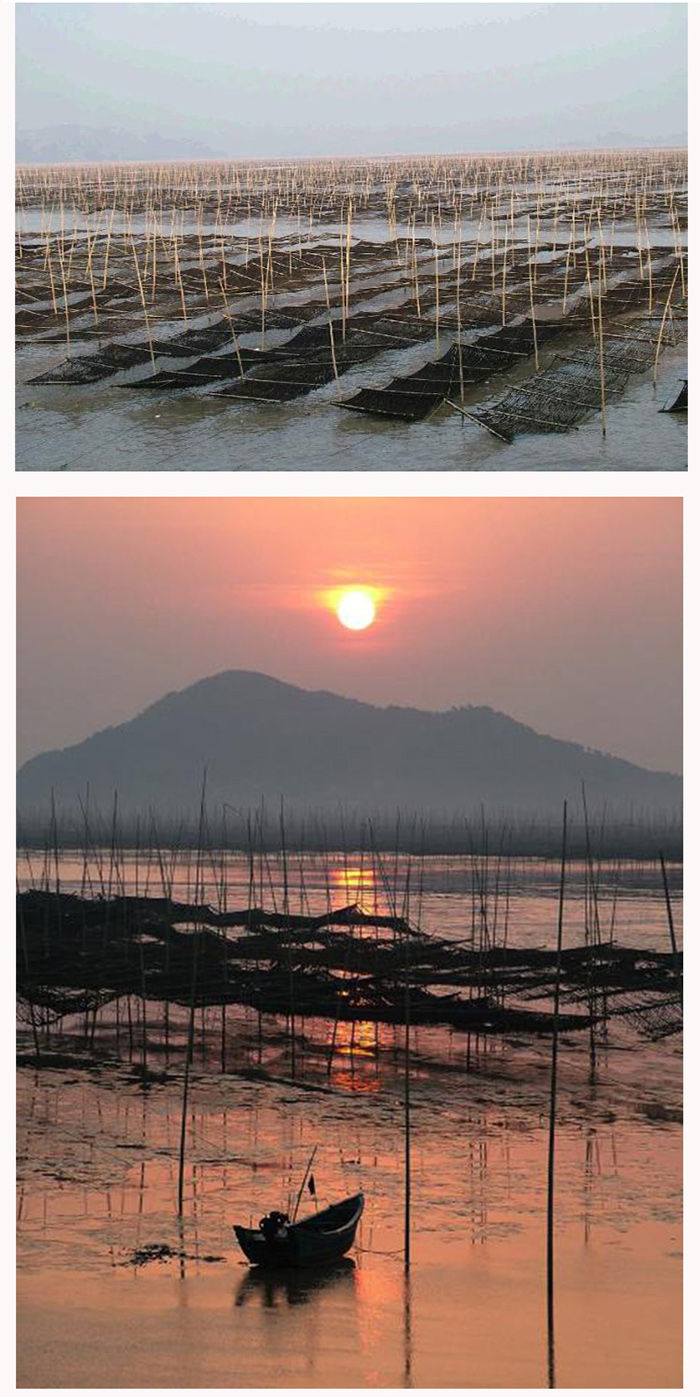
[(98, 1185), (447, 313), (115, 1290)]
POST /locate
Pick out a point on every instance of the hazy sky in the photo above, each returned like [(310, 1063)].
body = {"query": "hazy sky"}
[(314, 79), (565, 614)]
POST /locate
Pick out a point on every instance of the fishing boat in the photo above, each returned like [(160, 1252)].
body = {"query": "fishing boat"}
[(324, 1236)]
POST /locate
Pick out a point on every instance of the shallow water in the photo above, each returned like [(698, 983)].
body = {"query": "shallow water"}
[(105, 426), (110, 428), (443, 890), (98, 1148), (98, 1177)]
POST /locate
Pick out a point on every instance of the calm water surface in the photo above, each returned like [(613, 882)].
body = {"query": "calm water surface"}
[(98, 1179)]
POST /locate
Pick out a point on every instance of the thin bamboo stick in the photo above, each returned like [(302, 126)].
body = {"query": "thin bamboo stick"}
[(671, 927), (661, 327), (601, 349), (553, 1111), (532, 295)]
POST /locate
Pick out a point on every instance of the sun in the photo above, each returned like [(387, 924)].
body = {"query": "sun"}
[(355, 608)]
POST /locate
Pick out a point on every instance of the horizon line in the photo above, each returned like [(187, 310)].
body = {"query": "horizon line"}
[(568, 149)]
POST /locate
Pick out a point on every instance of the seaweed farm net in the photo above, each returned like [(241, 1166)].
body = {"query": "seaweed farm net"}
[(412, 397), (303, 366), (558, 397), (76, 954), (91, 368)]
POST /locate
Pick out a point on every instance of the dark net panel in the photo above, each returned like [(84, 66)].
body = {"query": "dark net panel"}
[(226, 367), (413, 397), (556, 399)]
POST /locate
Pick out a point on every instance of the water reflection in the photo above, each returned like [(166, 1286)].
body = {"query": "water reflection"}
[(630, 894), (354, 880), (356, 1044), (551, 1361), (293, 1286), (407, 1332), (98, 1175)]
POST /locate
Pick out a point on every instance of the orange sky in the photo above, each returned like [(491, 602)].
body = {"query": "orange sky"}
[(565, 614)]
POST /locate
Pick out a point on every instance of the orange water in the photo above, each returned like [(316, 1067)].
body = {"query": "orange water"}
[(98, 1178)]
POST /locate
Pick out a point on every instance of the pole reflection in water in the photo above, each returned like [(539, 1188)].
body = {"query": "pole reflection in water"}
[(407, 1333), (553, 1113), (479, 1188)]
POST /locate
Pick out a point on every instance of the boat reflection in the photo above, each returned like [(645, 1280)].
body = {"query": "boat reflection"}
[(294, 1286)]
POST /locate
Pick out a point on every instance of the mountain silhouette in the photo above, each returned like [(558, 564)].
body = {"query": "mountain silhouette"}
[(67, 144), (260, 739)]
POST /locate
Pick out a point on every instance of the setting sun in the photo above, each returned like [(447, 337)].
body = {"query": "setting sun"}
[(355, 609)]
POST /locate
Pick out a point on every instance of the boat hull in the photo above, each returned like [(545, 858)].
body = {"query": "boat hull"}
[(325, 1237)]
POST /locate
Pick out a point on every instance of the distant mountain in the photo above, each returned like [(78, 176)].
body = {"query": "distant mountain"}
[(260, 738), (63, 145)]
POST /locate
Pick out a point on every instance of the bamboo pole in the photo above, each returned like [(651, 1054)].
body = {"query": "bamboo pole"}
[(407, 1120), (553, 1112), (460, 356), (190, 1032), (178, 280), (661, 328), (52, 284), (330, 322), (532, 295), (477, 243), (342, 286), (471, 418), (144, 307), (601, 348), (671, 927), (415, 270), (649, 268), (66, 312), (437, 290), (503, 276), (186, 1084), (144, 1039), (234, 336), (347, 266)]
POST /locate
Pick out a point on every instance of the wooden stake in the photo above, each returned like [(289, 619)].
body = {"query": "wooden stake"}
[(532, 295), (437, 291), (663, 322), (601, 349), (407, 1121), (553, 1114), (143, 304), (186, 1084), (671, 928), (234, 336), (330, 322)]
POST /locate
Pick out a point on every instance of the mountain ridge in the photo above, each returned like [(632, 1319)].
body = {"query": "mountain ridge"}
[(261, 737)]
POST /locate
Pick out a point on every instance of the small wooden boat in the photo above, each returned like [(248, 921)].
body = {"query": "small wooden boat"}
[(323, 1237)]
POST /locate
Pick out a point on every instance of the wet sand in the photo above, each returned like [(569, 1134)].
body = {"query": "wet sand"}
[(97, 1176)]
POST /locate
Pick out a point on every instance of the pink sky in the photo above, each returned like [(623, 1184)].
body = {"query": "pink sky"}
[(566, 614)]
